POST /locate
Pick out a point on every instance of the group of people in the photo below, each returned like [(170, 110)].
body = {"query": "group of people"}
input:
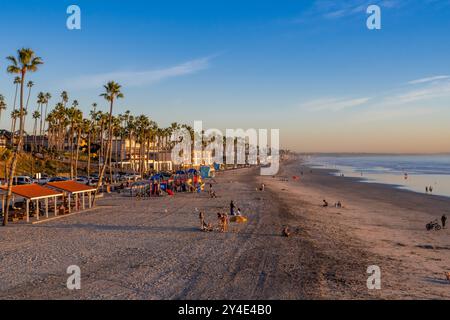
[(223, 219), (429, 189), (336, 205), (208, 227)]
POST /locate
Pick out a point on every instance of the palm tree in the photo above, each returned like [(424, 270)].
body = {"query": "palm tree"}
[(26, 61), (64, 98), (14, 116), (5, 157), (36, 117), (74, 116), (116, 133), (2, 106), (112, 93), (40, 103), (87, 128), (30, 85), (13, 122), (48, 96)]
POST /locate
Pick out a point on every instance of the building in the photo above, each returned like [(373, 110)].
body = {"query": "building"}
[(130, 156)]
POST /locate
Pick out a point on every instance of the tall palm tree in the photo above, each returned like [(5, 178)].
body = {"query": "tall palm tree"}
[(26, 61), (14, 116), (48, 96), (2, 106), (17, 83), (111, 94), (130, 129), (64, 98), (13, 122), (40, 103), (74, 116), (36, 116), (116, 133), (6, 154), (30, 85), (87, 129)]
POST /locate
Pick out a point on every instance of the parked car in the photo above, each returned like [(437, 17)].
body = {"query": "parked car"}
[(58, 179), (22, 180), (82, 179), (42, 180)]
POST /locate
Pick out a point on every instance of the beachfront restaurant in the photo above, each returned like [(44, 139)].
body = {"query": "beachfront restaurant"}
[(74, 191), (33, 195)]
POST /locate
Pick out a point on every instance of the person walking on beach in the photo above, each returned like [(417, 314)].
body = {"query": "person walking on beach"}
[(232, 207), (426, 189), (431, 189), (201, 216), (443, 220)]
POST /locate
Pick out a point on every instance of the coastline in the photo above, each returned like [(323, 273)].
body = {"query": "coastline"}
[(153, 249), (386, 223)]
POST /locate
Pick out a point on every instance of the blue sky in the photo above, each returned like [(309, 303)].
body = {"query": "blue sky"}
[(310, 68)]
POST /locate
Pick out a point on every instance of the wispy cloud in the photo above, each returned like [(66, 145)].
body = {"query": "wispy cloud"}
[(333, 104), (331, 9), (140, 78), (407, 101), (430, 90), (429, 79)]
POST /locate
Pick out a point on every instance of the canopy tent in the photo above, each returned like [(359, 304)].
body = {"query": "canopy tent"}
[(32, 192), (74, 188)]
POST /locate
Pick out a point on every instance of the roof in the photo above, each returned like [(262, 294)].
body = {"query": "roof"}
[(33, 191), (71, 186)]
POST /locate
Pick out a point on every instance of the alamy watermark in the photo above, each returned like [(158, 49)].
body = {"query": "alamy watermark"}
[(374, 20), (374, 280), (73, 22), (235, 147), (74, 280)]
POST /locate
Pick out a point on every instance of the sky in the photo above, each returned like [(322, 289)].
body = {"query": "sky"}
[(311, 69)]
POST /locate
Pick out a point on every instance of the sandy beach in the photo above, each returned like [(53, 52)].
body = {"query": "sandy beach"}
[(153, 249)]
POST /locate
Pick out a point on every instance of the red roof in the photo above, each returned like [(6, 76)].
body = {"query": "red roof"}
[(71, 186), (33, 191)]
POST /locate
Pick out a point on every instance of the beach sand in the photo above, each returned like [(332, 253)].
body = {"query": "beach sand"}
[(153, 249)]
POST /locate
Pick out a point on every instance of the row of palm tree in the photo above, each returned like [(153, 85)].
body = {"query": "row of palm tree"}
[(70, 134)]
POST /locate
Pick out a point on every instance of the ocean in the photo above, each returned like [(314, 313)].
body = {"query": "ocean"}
[(411, 172)]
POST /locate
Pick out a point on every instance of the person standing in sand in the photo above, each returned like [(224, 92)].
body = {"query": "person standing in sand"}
[(443, 220), (232, 207), (201, 216)]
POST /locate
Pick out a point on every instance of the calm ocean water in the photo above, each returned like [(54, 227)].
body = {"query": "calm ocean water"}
[(412, 172)]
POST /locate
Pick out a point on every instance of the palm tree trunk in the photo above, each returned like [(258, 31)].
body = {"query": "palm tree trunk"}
[(108, 147), (77, 152), (15, 154), (43, 130), (89, 155)]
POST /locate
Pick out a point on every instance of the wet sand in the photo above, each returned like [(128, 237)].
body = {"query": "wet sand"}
[(153, 249)]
